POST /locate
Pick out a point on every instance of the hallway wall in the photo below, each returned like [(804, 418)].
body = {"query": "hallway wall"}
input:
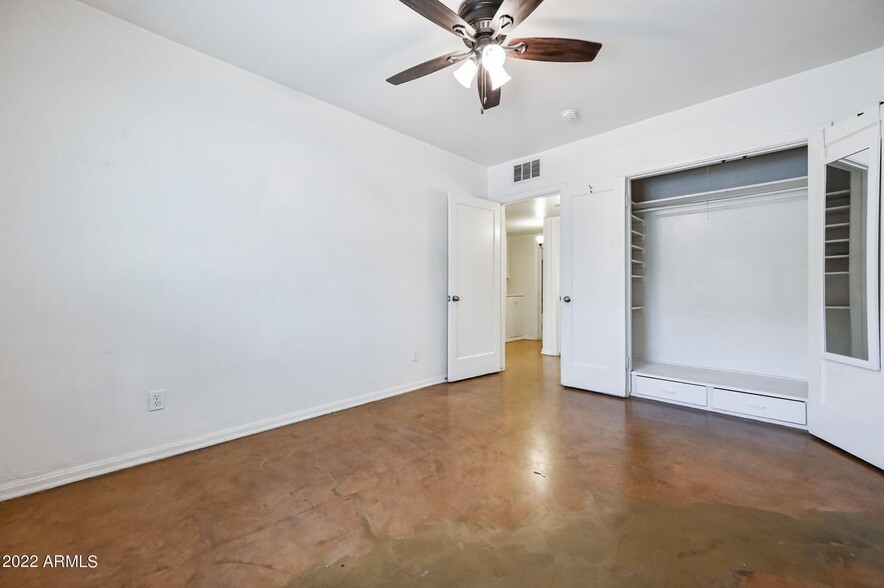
[(523, 294)]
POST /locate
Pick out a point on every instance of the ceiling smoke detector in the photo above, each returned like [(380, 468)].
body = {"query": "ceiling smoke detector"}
[(569, 115)]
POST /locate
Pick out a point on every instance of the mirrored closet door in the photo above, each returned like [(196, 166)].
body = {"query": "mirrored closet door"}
[(851, 254)]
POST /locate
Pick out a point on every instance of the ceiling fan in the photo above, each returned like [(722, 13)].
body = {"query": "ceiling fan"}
[(484, 25)]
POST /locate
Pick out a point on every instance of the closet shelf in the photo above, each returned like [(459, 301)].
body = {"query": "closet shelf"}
[(638, 308), (637, 219), (838, 193), (831, 241), (637, 262), (833, 307), (637, 247), (838, 208), (634, 232), (837, 256), (637, 277), (838, 225), (837, 273)]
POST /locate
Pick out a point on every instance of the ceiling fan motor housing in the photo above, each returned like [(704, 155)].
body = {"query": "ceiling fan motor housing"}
[(476, 11)]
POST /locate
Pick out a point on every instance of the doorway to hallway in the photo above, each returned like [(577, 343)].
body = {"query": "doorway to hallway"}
[(532, 272)]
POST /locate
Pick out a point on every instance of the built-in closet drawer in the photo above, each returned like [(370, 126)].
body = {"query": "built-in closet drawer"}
[(671, 391), (778, 409)]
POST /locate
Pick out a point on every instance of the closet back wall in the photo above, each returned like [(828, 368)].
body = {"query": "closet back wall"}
[(168, 221), (726, 286)]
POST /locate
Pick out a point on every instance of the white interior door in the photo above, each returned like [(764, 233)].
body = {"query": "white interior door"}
[(593, 265), (475, 337), (846, 391)]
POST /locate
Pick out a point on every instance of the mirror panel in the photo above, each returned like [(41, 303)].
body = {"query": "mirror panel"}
[(847, 245)]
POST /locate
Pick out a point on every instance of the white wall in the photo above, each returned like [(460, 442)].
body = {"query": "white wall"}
[(726, 286), (522, 287), (768, 115), (169, 221), (552, 263)]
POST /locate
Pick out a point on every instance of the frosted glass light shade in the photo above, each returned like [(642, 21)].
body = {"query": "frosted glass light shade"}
[(466, 73), (493, 57), (498, 77)]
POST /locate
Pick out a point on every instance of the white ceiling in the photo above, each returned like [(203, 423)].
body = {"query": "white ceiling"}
[(658, 56), (526, 217)]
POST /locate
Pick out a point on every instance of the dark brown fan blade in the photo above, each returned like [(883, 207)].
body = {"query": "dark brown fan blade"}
[(549, 49), (426, 68), (517, 10), (440, 14), (488, 97)]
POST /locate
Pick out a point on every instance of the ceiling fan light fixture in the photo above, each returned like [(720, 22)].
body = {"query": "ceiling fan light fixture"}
[(467, 72), (484, 26), (493, 58), (498, 77)]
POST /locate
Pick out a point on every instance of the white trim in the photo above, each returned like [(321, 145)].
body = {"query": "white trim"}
[(521, 338), (538, 192), (550, 353), (45, 481)]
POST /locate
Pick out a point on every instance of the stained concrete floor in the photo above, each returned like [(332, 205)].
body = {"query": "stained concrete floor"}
[(506, 480)]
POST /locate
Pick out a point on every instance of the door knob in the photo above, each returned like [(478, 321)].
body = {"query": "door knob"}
[(566, 299), (455, 298)]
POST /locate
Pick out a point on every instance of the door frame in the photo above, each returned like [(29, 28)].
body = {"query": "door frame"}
[(516, 199), (795, 143)]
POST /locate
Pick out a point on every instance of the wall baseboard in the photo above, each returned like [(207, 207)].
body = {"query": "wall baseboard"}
[(45, 481), (545, 352)]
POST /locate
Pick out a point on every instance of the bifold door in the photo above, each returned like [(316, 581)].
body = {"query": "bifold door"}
[(594, 290), (475, 337)]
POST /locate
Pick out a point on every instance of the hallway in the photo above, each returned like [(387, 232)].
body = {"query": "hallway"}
[(506, 480)]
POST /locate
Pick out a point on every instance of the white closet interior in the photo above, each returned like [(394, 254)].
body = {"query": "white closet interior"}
[(719, 287)]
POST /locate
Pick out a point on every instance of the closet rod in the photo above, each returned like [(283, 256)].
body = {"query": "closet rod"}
[(698, 199)]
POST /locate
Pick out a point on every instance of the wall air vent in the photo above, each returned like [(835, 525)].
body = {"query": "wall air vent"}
[(526, 171)]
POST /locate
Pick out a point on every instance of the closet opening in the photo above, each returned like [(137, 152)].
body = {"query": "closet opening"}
[(532, 243), (718, 287)]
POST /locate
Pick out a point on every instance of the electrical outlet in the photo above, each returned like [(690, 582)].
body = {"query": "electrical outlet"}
[(156, 400), (414, 355)]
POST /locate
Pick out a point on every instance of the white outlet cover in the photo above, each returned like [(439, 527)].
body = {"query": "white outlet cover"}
[(156, 400)]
